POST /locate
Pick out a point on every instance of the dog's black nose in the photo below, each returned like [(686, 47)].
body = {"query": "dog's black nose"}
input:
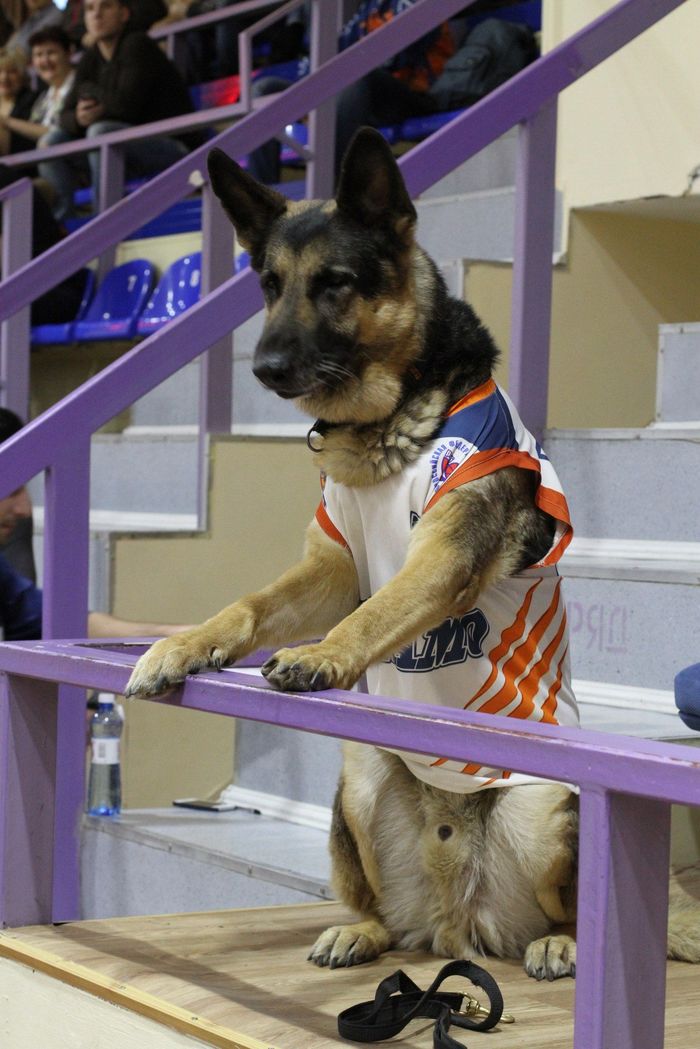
[(276, 370)]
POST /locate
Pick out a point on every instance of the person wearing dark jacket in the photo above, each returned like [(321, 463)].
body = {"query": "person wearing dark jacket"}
[(122, 80)]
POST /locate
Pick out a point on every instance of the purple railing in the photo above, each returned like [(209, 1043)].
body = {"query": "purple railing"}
[(627, 786)]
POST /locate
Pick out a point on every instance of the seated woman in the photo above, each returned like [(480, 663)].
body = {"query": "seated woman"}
[(16, 100), (50, 50)]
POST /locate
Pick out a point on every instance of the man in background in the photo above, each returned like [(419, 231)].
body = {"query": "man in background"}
[(122, 80)]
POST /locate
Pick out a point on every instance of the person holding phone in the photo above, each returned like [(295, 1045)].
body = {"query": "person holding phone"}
[(122, 80)]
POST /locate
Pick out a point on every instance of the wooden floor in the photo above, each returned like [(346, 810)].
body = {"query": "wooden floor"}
[(240, 979)]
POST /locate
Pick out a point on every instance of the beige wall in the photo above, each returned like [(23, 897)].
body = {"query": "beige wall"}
[(631, 127), (264, 493), (624, 275)]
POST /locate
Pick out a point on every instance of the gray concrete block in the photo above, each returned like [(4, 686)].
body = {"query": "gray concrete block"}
[(285, 762), (638, 484), (630, 633), (678, 378)]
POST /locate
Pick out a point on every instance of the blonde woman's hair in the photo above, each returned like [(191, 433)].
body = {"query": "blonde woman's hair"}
[(14, 60)]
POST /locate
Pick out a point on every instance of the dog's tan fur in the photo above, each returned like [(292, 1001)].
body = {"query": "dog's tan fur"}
[(453, 873)]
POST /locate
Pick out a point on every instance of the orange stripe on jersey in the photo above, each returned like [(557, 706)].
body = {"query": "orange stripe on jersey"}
[(471, 769), (328, 526), (556, 552), (554, 503), (479, 394), (520, 660), (550, 704), (530, 686), (508, 638)]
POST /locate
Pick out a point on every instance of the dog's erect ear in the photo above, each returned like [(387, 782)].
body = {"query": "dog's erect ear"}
[(371, 189), (251, 207)]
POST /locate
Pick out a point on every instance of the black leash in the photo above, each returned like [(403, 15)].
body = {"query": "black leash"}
[(398, 1000)]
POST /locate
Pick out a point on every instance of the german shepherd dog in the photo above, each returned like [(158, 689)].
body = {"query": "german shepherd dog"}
[(361, 333)]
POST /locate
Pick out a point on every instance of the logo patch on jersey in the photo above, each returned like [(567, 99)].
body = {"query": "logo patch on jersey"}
[(454, 641), (447, 457)]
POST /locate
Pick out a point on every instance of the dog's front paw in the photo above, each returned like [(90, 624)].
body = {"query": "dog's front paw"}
[(551, 957), (309, 668), (170, 660), (350, 944)]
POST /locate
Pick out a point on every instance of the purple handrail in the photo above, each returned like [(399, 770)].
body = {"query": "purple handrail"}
[(626, 788)]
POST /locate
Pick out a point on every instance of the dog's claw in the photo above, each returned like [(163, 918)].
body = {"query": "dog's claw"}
[(318, 682)]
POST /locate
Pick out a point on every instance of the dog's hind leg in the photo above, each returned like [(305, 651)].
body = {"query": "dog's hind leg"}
[(355, 880)]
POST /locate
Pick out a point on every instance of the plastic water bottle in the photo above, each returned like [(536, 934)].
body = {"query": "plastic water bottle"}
[(104, 783)]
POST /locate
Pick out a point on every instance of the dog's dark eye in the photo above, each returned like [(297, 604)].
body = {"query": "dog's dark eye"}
[(444, 831), (331, 282), (270, 284)]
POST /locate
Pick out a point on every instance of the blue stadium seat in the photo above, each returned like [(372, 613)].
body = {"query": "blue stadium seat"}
[(118, 303), (177, 290), (687, 693), (45, 334)]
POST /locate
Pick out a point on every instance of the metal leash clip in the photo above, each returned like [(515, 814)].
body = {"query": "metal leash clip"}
[(473, 1008)]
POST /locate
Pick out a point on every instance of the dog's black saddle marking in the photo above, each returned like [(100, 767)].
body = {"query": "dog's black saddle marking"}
[(398, 1000)]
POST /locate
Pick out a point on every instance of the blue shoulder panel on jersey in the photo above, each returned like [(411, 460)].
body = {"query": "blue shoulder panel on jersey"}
[(486, 424)]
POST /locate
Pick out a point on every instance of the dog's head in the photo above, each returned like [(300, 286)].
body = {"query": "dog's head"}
[(339, 280)]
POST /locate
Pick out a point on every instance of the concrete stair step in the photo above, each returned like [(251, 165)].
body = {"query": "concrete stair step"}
[(492, 168), (141, 473), (631, 632), (473, 226), (161, 861), (651, 561), (678, 377), (630, 482)]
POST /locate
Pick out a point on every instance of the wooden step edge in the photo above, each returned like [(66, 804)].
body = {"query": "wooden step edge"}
[(122, 994)]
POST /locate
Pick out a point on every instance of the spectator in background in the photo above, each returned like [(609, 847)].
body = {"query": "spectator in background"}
[(122, 80), (144, 14), (388, 95), (41, 13), (59, 304), (16, 100), (20, 598), (50, 51)]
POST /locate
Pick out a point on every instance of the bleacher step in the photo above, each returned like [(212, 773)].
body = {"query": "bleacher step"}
[(635, 560), (492, 168), (629, 482), (158, 861)]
